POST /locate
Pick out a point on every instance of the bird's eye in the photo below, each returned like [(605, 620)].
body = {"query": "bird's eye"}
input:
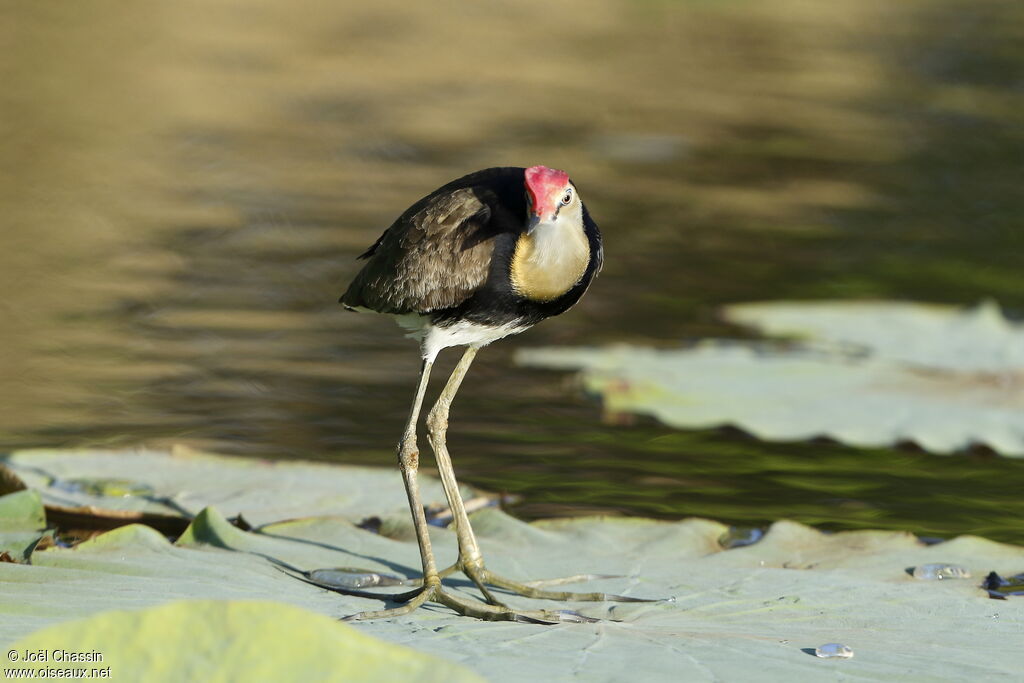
[(567, 197)]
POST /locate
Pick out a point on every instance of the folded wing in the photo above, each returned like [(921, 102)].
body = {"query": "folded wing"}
[(432, 257)]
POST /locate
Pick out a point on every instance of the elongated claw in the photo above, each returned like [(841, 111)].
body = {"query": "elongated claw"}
[(534, 589), (417, 599), (484, 576), (478, 610), (562, 580), (561, 616)]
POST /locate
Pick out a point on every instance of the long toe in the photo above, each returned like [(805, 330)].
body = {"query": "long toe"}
[(477, 610), (412, 601), (530, 589), (488, 612)]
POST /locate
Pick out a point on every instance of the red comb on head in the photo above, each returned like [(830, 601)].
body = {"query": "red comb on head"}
[(544, 185)]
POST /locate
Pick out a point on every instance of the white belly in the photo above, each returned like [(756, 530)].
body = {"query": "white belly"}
[(463, 333)]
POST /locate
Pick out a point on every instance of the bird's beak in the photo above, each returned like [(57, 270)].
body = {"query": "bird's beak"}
[(532, 222), (534, 211)]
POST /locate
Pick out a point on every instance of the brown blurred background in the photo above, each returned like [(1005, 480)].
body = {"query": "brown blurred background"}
[(184, 187)]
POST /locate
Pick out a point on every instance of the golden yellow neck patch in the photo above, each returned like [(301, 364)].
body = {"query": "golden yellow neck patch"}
[(549, 262)]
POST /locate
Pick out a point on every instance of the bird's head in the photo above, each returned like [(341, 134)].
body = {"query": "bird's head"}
[(551, 198)]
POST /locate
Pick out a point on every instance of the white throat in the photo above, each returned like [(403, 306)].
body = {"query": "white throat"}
[(551, 259)]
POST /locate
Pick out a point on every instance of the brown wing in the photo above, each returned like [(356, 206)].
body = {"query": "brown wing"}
[(431, 258)]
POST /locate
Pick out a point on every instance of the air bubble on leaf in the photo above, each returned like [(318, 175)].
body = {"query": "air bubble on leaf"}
[(833, 651), (938, 571)]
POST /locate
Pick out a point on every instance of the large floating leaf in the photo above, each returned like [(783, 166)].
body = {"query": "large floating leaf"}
[(979, 339), (22, 524), (871, 374), (743, 614), (185, 481), (232, 641)]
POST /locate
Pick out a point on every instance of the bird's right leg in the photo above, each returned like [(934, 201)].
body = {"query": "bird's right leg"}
[(471, 561), (408, 462)]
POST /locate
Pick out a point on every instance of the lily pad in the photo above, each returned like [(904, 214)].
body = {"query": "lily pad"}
[(182, 482), (740, 614), (979, 339), (22, 524), (239, 640), (866, 374)]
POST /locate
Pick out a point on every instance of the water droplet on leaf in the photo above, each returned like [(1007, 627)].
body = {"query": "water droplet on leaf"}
[(939, 570), (833, 650), (347, 577), (737, 537)]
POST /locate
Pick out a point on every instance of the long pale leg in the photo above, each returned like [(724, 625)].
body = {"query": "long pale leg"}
[(471, 561), (408, 460)]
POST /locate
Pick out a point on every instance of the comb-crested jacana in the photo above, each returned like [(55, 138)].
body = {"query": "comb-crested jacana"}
[(485, 256)]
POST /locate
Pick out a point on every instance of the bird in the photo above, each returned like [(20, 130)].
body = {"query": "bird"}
[(483, 257)]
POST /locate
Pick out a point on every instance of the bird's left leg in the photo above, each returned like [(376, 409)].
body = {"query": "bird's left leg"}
[(471, 561)]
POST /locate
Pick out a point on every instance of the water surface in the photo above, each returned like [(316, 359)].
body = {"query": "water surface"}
[(184, 188)]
